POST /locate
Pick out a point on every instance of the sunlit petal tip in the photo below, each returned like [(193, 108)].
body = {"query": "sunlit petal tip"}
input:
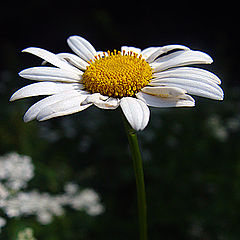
[(45, 88), (180, 58), (35, 51), (24, 50), (221, 97), (12, 98), (50, 74), (51, 58), (28, 49), (20, 73), (27, 118), (29, 115)]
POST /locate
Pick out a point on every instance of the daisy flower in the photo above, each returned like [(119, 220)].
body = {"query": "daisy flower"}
[(132, 78)]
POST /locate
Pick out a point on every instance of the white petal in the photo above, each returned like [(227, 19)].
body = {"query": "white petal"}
[(162, 91), (126, 50), (203, 89), (37, 107), (148, 51), (50, 74), (81, 47), (154, 101), (180, 58), (136, 112), (44, 88), (74, 60), (94, 98), (51, 58), (163, 50), (65, 107), (110, 103), (101, 101), (193, 73)]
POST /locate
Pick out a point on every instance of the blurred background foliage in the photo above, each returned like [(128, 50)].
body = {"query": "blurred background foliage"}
[(191, 156)]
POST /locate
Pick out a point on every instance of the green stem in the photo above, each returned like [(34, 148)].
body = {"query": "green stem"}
[(138, 169)]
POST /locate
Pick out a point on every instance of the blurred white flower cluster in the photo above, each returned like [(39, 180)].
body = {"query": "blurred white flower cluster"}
[(16, 171), (26, 234), (222, 128)]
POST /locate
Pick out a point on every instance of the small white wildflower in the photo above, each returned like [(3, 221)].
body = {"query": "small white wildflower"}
[(26, 234), (88, 200), (3, 192), (95, 209), (44, 217), (218, 128), (44, 206), (16, 170), (71, 188)]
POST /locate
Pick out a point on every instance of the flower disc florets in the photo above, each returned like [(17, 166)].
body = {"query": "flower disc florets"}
[(117, 74)]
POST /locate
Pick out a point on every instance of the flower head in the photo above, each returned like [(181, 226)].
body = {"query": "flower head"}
[(117, 75), (130, 78)]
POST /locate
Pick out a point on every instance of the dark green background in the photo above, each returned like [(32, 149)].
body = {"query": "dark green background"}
[(192, 175)]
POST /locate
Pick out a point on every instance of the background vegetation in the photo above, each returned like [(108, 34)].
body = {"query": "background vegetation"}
[(191, 156)]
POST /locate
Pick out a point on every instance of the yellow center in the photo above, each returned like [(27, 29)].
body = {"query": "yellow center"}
[(117, 75)]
